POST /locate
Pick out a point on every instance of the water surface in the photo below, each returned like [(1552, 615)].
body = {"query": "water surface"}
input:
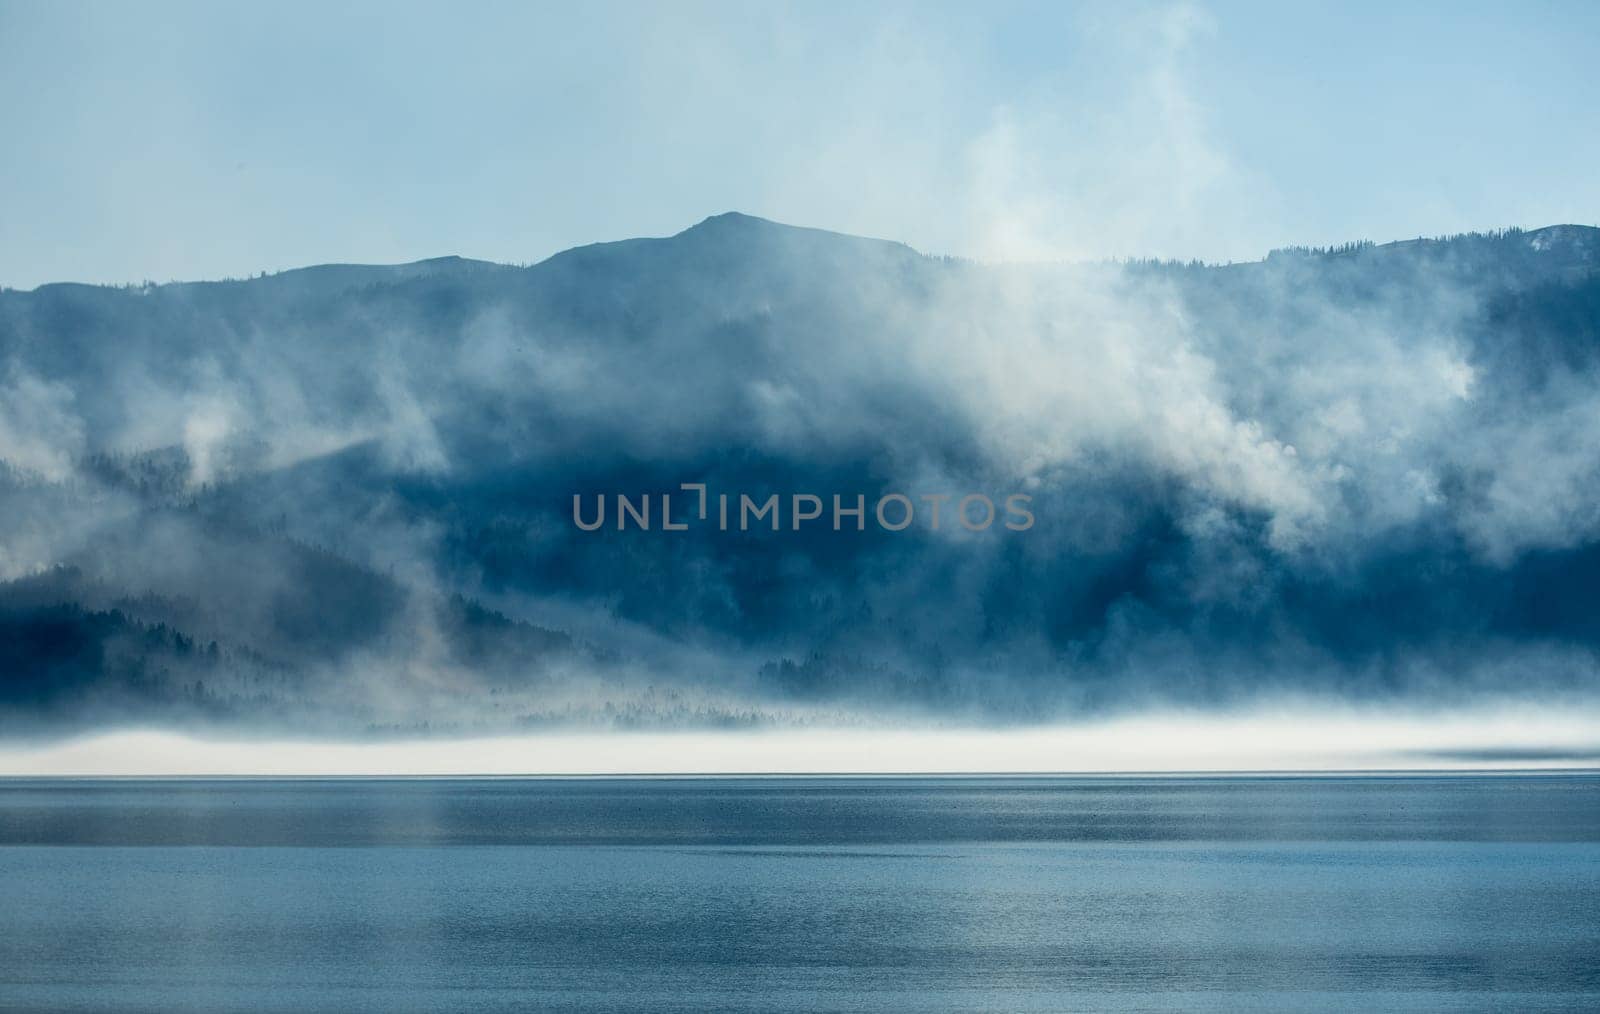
[(974, 894)]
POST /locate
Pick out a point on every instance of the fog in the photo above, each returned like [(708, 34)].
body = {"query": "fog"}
[(337, 501), (1292, 737)]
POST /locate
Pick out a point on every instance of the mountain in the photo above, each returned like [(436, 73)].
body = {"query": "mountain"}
[(341, 498)]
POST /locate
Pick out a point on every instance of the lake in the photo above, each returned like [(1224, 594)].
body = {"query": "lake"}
[(1372, 892)]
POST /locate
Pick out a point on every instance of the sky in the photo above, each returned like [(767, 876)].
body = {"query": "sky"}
[(169, 141)]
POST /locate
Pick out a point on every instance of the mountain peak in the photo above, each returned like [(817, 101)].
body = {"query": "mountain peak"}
[(733, 224), (737, 226), (730, 219)]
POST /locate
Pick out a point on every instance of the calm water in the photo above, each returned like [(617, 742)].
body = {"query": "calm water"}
[(1369, 893)]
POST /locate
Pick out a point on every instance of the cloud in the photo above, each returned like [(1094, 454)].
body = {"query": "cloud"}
[(40, 433), (1135, 168)]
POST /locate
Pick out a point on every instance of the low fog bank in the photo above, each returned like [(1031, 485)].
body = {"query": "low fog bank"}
[(338, 501), (1298, 737)]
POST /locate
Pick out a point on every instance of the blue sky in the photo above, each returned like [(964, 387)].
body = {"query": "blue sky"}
[(170, 141)]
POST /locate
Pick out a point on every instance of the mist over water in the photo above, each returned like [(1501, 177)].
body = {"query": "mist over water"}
[(1497, 736), (923, 588)]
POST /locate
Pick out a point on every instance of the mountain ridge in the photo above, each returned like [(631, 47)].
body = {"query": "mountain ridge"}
[(720, 225), (1333, 473)]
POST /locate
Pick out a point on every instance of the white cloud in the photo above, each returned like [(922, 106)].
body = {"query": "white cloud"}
[(40, 433)]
